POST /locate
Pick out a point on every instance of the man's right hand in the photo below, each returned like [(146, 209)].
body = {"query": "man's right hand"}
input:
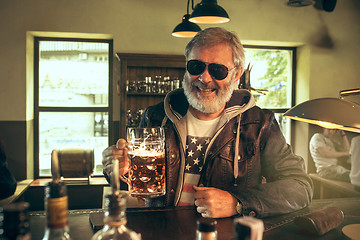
[(118, 151)]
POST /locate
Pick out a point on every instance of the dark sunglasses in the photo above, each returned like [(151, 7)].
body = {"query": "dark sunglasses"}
[(217, 71)]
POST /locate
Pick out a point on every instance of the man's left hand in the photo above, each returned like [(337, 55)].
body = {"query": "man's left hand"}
[(214, 203)]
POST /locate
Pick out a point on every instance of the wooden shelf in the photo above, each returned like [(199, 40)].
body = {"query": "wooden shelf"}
[(136, 67)]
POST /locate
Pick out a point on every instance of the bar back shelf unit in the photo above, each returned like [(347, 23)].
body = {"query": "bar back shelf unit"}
[(144, 81)]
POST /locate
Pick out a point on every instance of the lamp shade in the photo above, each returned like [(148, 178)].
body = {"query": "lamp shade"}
[(329, 113), (186, 29), (300, 3), (208, 11)]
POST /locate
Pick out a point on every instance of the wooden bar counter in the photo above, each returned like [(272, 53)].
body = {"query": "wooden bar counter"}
[(180, 223)]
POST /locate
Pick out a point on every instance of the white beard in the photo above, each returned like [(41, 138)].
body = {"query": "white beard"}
[(208, 104)]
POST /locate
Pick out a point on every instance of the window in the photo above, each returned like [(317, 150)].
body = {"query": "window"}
[(272, 70), (72, 100)]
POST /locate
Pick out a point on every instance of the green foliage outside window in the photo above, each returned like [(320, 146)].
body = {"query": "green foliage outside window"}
[(271, 71)]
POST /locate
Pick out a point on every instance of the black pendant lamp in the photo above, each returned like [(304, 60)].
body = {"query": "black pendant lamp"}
[(209, 12), (300, 3), (186, 29)]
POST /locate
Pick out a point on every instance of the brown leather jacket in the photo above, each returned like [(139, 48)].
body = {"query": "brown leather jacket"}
[(261, 150)]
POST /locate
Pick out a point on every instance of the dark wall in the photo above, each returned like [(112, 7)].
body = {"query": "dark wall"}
[(14, 135)]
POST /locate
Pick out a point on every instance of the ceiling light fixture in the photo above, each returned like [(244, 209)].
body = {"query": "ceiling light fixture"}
[(186, 29), (209, 12)]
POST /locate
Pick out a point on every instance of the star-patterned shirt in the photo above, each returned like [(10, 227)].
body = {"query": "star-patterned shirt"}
[(197, 141), (195, 151)]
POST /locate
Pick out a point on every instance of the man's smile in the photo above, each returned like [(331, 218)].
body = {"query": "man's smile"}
[(206, 91)]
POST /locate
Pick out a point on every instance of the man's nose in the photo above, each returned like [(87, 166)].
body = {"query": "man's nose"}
[(205, 77)]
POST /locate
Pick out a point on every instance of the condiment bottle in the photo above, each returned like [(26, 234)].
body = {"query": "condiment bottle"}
[(206, 229)]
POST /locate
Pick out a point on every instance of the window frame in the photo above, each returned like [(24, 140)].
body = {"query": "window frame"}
[(38, 109), (293, 81)]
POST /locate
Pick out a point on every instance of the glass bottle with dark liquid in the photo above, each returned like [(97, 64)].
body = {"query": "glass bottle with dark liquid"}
[(56, 205)]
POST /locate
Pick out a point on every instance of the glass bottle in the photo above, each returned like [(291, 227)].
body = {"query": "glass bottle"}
[(168, 86), (141, 86), (115, 213), (156, 84), (14, 222), (206, 229), (115, 220), (176, 83), (148, 84), (56, 205)]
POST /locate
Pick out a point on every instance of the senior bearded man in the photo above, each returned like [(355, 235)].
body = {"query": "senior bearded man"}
[(219, 144)]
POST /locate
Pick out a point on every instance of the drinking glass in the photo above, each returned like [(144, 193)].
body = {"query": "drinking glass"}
[(146, 177)]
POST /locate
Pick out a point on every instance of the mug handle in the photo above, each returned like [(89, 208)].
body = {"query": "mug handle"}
[(124, 178)]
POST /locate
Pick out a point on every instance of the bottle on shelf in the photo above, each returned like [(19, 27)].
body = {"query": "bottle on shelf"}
[(131, 86), (206, 229), (142, 85), (56, 205), (156, 84), (115, 213), (148, 83), (176, 83), (167, 84), (14, 222)]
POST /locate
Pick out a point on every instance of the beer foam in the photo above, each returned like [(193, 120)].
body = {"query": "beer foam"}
[(145, 153)]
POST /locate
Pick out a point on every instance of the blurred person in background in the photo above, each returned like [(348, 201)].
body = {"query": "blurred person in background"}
[(355, 162), (326, 149)]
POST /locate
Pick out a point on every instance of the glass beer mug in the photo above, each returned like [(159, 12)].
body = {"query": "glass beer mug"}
[(146, 176)]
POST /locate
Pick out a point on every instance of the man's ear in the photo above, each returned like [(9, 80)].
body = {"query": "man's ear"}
[(238, 74)]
